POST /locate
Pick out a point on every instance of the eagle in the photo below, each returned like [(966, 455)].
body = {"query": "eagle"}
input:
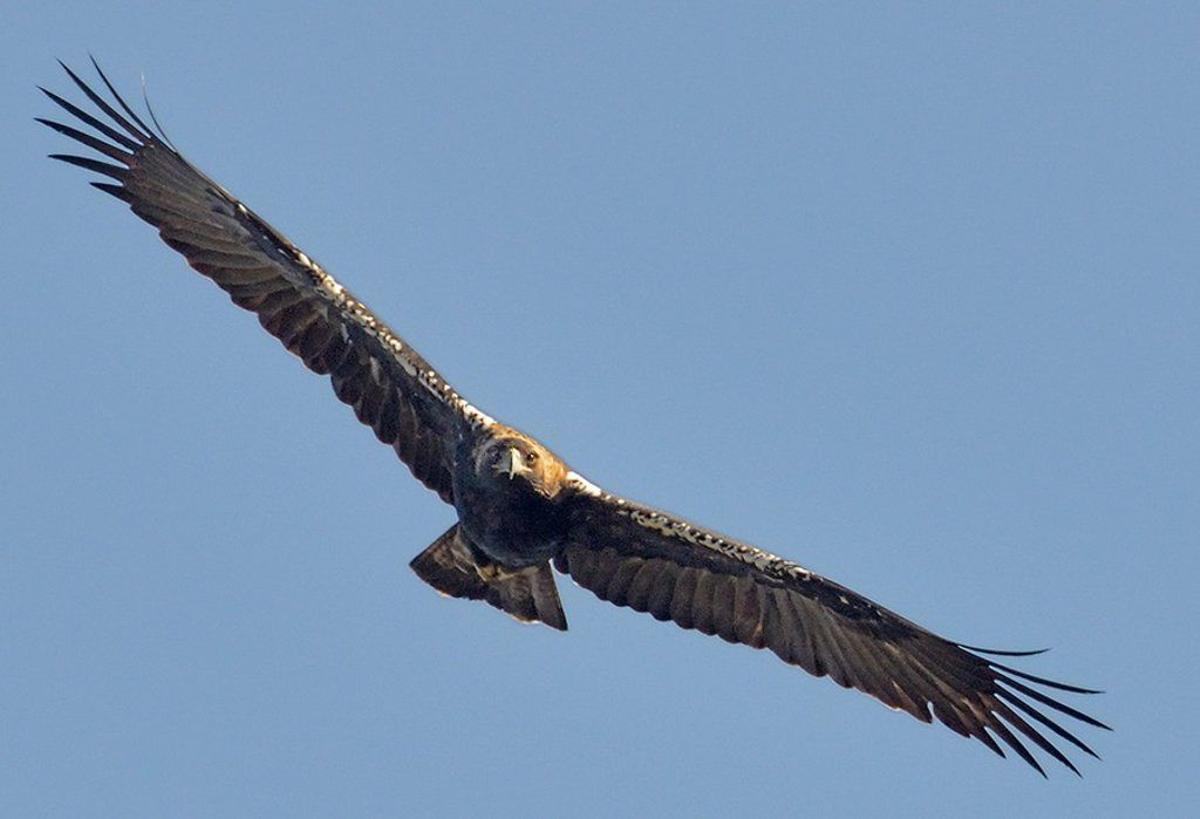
[(521, 512)]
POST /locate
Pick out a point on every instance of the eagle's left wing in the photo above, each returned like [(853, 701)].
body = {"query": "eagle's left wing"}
[(389, 385), (639, 557)]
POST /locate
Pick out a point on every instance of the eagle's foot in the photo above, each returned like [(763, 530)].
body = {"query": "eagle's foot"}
[(492, 572)]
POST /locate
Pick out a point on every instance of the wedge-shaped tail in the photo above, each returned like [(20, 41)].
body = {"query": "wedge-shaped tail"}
[(529, 595)]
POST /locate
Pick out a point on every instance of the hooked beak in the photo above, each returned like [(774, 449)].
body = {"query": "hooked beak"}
[(512, 463)]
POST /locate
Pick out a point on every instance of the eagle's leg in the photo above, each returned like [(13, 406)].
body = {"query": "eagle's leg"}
[(491, 572)]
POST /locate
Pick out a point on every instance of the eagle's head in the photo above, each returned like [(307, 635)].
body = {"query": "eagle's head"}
[(519, 463)]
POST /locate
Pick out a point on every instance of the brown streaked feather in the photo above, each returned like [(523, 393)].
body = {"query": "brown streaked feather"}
[(637, 597), (715, 585), (658, 604), (391, 388)]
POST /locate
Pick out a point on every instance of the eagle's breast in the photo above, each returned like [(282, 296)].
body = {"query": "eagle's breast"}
[(515, 515)]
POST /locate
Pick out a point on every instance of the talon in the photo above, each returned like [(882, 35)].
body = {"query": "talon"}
[(492, 572)]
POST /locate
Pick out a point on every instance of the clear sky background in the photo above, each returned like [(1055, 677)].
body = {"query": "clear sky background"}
[(907, 294)]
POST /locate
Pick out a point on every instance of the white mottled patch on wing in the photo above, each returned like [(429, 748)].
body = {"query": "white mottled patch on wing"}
[(582, 484), (478, 417), (681, 529), (357, 313)]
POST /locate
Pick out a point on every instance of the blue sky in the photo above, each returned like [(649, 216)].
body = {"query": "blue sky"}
[(907, 294)]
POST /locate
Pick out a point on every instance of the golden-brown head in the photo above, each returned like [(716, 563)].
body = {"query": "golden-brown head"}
[(514, 457)]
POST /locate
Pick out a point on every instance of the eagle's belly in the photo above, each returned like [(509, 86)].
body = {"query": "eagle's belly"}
[(513, 532)]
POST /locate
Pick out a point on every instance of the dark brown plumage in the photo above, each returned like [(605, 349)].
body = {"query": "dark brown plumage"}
[(520, 508)]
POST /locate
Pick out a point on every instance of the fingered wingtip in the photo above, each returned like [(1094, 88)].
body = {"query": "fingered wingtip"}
[(162, 132), (95, 64), (67, 68), (998, 652)]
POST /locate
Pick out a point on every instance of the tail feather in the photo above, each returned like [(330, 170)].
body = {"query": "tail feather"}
[(529, 595)]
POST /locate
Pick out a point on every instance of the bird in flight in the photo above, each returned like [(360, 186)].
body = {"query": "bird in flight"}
[(521, 510)]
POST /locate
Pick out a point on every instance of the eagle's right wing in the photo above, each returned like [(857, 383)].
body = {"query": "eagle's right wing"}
[(391, 388)]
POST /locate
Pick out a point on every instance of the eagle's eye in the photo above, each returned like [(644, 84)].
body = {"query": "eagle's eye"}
[(531, 456)]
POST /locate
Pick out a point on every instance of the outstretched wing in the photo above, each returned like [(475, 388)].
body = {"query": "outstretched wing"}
[(391, 388), (639, 557)]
